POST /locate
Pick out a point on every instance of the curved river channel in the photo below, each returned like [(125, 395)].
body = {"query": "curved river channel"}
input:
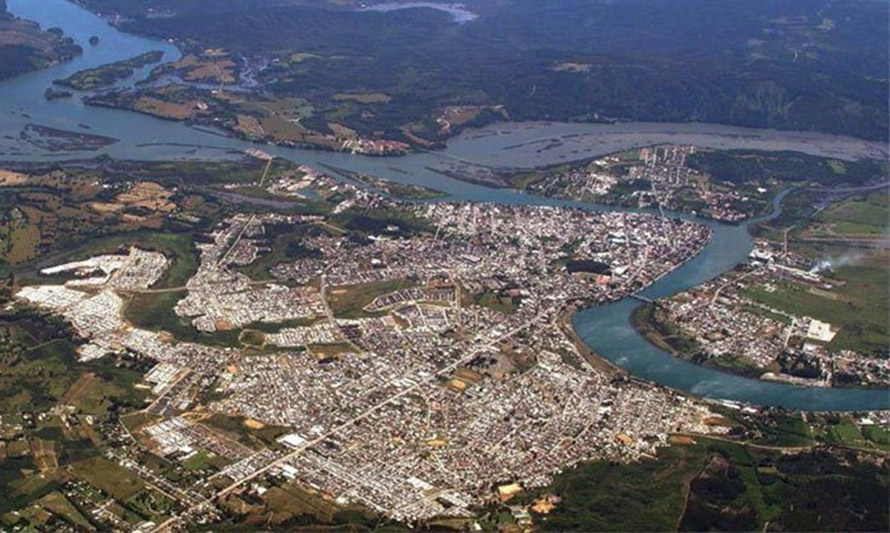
[(605, 329)]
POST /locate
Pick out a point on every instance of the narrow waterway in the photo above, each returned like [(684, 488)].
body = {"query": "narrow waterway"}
[(606, 329)]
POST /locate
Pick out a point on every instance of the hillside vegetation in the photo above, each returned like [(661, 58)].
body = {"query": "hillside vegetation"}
[(782, 64)]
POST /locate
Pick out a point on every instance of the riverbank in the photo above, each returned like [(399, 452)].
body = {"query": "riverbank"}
[(605, 329), (593, 359), (646, 322)]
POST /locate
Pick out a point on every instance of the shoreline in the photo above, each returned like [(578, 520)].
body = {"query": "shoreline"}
[(592, 358), (647, 327)]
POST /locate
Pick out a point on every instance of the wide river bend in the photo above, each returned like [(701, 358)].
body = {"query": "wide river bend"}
[(605, 329)]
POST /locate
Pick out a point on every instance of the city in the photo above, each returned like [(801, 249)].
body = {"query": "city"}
[(490, 266), (413, 403)]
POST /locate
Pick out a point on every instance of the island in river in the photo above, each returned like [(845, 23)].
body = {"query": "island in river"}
[(108, 75), (85, 426)]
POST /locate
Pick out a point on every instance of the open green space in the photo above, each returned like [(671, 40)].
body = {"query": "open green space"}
[(861, 309), (19, 484), (36, 363), (60, 506), (500, 302), (841, 430), (741, 166), (116, 481), (286, 243), (51, 375), (235, 427), (867, 215), (348, 301), (203, 460)]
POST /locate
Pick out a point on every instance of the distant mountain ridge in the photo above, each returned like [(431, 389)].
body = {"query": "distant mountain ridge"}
[(820, 65), (24, 46)]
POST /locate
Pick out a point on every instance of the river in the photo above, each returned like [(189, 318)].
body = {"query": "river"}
[(606, 329)]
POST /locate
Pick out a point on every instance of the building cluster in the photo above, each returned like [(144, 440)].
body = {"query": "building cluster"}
[(727, 324), (312, 185), (437, 399), (442, 295), (366, 146), (321, 333), (220, 298), (431, 397), (181, 439), (139, 269), (659, 177), (384, 432), (95, 312)]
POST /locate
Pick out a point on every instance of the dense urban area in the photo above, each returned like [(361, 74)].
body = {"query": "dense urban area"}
[(413, 360), (206, 325), (449, 343)]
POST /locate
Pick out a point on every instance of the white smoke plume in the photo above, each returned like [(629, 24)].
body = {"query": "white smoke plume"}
[(833, 263)]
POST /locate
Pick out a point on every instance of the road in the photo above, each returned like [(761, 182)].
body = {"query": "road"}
[(247, 224), (165, 526), (373, 409), (266, 172), (447, 370)]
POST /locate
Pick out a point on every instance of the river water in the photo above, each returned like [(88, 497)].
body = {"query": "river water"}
[(606, 329)]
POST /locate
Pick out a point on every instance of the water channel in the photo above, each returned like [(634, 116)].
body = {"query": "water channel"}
[(606, 329)]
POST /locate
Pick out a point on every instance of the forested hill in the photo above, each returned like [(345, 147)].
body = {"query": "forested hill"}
[(25, 47), (816, 65)]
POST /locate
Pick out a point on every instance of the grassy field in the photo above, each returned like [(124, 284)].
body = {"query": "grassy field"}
[(330, 349), (39, 371), (844, 432), (236, 428), (286, 245), (865, 215), (22, 243), (59, 505), (18, 489), (861, 308), (101, 385), (112, 479), (202, 460), (501, 303), (349, 301), (154, 311), (878, 436), (37, 377)]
